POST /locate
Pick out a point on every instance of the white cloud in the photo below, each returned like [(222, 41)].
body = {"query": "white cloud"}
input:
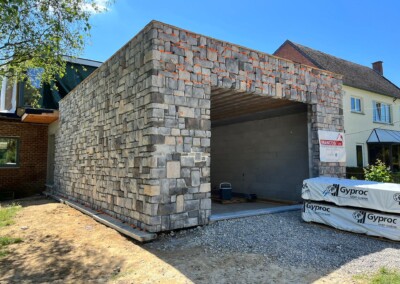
[(96, 6)]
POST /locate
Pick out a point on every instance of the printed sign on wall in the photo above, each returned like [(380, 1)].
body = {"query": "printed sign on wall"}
[(331, 146)]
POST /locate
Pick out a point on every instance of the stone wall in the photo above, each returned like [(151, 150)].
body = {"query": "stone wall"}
[(134, 137), (30, 176), (105, 142)]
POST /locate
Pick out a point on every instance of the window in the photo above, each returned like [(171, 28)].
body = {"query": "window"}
[(32, 92), (379, 151), (382, 112), (8, 96), (355, 104), (9, 151), (359, 153)]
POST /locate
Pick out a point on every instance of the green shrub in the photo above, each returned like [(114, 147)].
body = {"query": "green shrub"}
[(378, 172)]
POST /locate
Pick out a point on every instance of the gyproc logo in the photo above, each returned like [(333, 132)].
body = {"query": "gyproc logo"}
[(332, 190), (359, 216), (396, 197), (335, 189), (317, 208), (305, 188)]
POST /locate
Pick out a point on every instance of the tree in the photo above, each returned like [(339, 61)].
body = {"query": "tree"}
[(38, 33)]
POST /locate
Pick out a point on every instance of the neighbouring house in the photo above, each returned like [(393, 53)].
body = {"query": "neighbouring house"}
[(173, 113), (25, 162), (371, 106)]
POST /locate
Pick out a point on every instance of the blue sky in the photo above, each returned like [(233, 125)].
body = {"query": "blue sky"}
[(358, 31)]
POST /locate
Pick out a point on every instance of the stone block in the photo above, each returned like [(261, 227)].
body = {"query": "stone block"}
[(187, 161), (180, 203), (205, 187), (151, 190), (192, 123), (173, 169), (186, 112), (205, 204), (170, 140), (184, 75), (195, 177), (192, 205), (152, 55), (232, 65), (166, 209)]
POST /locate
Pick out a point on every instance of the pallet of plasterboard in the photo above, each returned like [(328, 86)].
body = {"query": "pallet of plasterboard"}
[(354, 220), (373, 195)]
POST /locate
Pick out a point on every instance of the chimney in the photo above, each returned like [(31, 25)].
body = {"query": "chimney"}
[(378, 67)]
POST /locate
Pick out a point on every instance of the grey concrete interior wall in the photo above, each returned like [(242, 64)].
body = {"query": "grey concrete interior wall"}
[(268, 157)]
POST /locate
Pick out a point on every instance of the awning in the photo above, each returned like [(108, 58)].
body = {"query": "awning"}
[(384, 136), (45, 116)]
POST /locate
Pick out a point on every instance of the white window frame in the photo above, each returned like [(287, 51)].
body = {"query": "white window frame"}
[(384, 115), (355, 105), (3, 97)]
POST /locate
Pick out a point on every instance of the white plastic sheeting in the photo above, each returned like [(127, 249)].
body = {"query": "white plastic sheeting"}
[(353, 220), (355, 193)]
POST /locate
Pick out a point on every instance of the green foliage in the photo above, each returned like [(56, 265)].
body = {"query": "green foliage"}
[(383, 276), (38, 33), (8, 153), (386, 276), (4, 242), (7, 213), (378, 172)]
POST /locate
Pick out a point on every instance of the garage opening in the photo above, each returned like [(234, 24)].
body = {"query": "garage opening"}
[(259, 148)]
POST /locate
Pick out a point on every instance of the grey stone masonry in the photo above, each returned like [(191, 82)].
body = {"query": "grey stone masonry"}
[(134, 137)]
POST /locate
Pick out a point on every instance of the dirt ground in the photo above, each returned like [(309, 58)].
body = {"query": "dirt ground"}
[(62, 245)]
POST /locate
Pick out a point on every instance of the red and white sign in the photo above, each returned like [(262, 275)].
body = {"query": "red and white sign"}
[(331, 146)]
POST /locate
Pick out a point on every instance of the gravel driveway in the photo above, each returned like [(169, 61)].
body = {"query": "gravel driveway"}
[(62, 245), (284, 238)]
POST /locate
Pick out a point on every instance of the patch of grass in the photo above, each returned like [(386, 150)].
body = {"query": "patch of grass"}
[(7, 214), (386, 276), (383, 276), (4, 242)]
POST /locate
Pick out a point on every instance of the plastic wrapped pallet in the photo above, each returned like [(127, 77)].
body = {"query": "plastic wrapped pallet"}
[(353, 220), (384, 197)]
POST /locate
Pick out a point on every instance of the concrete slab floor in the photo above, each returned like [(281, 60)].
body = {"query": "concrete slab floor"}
[(218, 208), (221, 212)]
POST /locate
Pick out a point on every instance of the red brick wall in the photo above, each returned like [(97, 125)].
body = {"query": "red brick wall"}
[(30, 176), (289, 52)]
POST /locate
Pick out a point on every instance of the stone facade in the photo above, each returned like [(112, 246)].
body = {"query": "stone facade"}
[(30, 176), (134, 137)]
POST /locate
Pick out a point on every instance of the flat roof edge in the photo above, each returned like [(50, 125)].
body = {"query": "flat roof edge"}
[(154, 22)]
